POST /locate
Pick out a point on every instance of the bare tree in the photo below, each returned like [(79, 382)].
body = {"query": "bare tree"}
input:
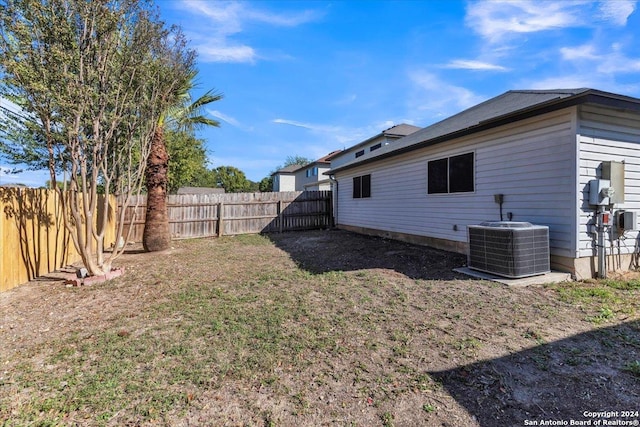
[(91, 79)]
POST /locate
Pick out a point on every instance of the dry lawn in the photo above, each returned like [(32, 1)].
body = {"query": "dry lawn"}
[(314, 328)]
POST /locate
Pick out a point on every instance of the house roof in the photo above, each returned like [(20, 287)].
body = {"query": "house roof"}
[(294, 168), (328, 157), (509, 107), (402, 129), (288, 169), (397, 131)]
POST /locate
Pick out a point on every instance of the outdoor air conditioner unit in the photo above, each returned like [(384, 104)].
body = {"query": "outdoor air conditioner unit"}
[(509, 249)]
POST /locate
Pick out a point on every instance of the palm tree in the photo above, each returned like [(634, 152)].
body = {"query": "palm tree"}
[(185, 115)]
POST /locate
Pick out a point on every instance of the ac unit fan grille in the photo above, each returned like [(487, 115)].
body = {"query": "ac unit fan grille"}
[(509, 252)]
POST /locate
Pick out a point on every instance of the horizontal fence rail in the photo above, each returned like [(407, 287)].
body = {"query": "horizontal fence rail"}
[(207, 215)]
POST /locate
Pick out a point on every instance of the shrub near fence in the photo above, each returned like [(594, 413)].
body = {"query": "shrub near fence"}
[(33, 239), (207, 215)]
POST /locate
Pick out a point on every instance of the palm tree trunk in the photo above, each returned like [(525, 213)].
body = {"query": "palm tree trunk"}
[(156, 236)]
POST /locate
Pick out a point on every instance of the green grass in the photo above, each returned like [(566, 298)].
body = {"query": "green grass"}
[(634, 368), (604, 300)]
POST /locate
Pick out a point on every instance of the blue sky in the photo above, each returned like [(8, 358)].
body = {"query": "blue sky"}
[(307, 78)]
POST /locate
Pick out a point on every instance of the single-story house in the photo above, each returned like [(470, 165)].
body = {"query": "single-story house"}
[(526, 155), (309, 177)]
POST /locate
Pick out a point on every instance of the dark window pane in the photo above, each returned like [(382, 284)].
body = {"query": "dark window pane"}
[(437, 176), (359, 153), (375, 147), (461, 173), (357, 193), (366, 186)]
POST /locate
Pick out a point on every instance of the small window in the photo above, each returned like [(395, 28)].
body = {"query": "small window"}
[(359, 153), (451, 175), (375, 147), (362, 187)]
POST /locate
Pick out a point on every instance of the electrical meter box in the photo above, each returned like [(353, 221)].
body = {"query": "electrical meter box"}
[(600, 192), (626, 220)]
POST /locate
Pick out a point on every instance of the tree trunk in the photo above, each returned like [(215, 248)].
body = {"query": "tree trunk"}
[(156, 236)]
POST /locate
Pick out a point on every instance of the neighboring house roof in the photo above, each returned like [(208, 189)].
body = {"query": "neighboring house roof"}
[(294, 168), (396, 131), (288, 169), (506, 108), (328, 157), (13, 186)]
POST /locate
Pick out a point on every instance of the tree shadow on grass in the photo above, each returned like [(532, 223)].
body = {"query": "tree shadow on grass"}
[(594, 371), (322, 251)]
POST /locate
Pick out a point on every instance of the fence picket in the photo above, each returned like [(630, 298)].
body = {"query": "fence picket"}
[(207, 215)]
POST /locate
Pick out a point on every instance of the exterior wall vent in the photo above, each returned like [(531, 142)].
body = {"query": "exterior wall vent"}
[(510, 249)]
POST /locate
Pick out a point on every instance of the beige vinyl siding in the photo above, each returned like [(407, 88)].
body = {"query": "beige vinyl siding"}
[(304, 182), (532, 163), (607, 135), (285, 183)]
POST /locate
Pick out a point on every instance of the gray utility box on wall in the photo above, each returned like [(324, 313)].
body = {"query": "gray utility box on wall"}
[(510, 249)]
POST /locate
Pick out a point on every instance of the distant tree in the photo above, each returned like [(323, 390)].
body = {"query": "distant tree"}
[(233, 180), (187, 162), (295, 160), (266, 184)]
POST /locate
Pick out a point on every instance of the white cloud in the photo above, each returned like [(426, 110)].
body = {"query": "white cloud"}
[(613, 61), (343, 136), (434, 94), (494, 20), (222, 53), (224, 19), (296, 124), (468, 64), (218, 115), (586, 51), (617, 11), (283, 20)]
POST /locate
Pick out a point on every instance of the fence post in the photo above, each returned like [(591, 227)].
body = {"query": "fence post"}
[(220, 221), (280, 216)]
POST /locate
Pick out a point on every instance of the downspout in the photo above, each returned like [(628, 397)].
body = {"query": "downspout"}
[(334, 188)]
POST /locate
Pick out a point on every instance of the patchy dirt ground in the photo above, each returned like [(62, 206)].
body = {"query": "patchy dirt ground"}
[(342, 329)]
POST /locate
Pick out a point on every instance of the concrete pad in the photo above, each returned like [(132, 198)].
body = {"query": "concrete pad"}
[(552, 277)]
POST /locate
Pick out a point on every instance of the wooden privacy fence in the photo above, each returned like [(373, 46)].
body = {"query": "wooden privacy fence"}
[(207, 215), (33, 239)]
